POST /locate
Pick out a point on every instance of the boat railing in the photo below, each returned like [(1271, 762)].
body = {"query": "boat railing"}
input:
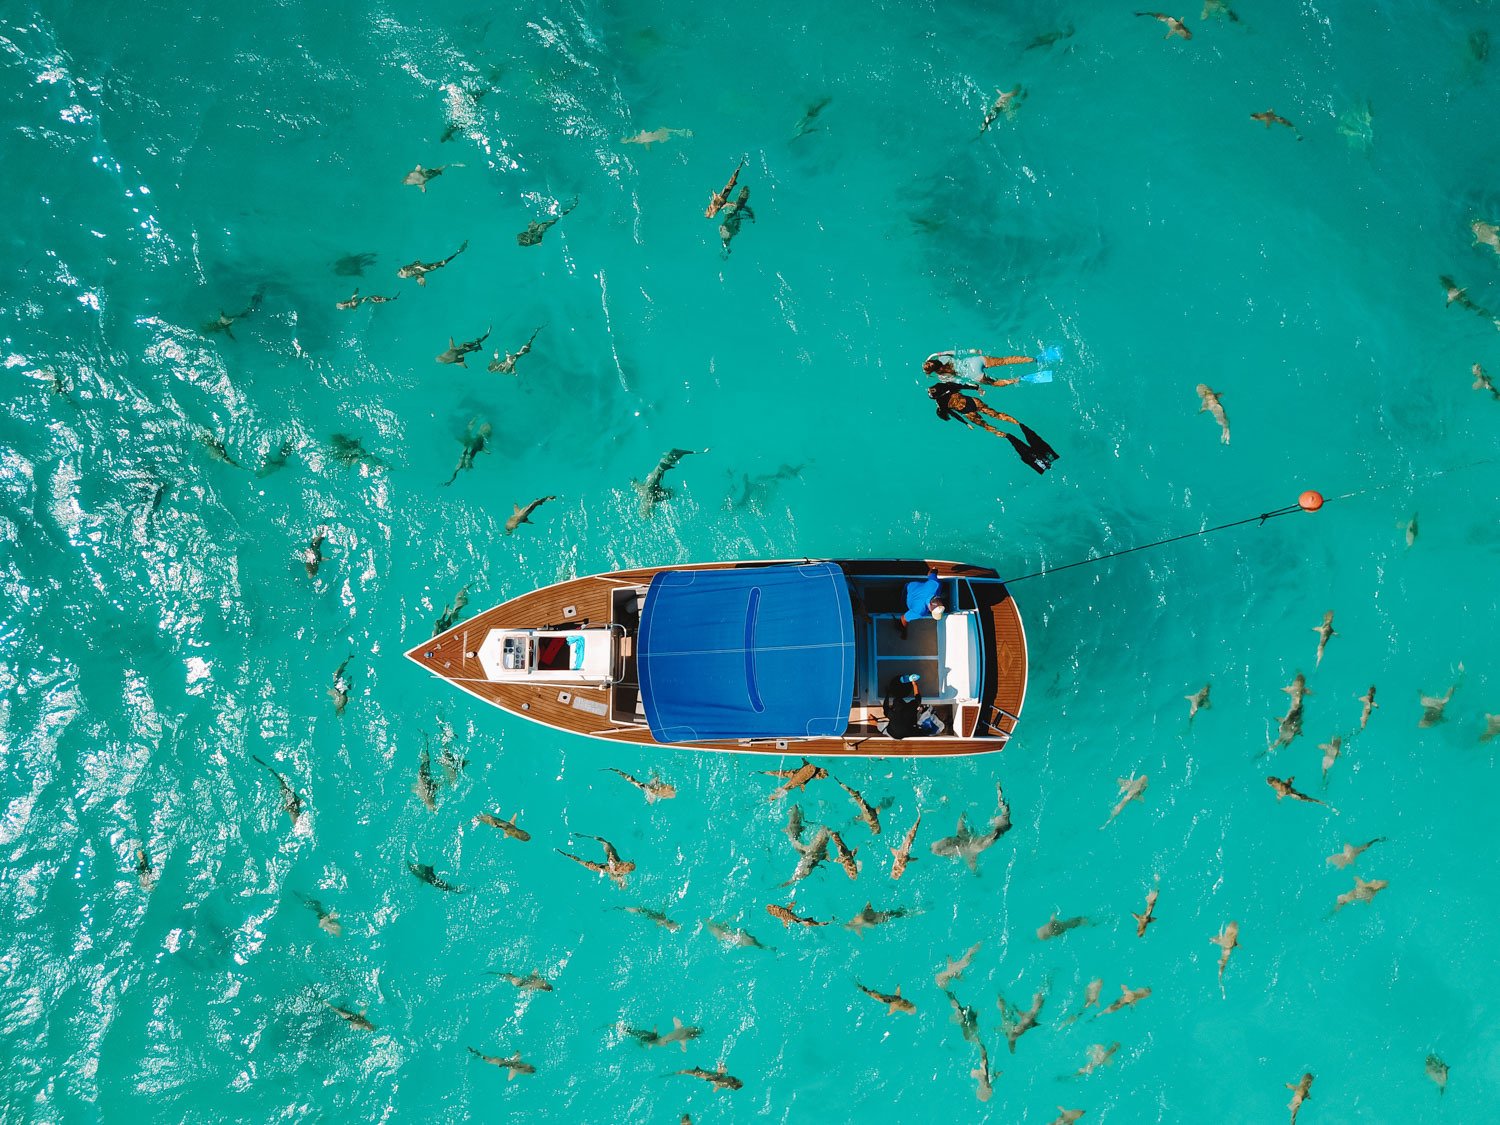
[(1003, 735)]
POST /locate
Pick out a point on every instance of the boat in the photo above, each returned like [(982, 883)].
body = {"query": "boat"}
[(777, 657)]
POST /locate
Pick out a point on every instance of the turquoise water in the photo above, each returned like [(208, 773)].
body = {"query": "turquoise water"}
[(159, 627)]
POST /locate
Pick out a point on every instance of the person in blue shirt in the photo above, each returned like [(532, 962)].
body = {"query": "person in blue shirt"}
[(922, 600)]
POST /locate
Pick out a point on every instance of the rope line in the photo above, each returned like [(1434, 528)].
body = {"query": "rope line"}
[(1260, 519)]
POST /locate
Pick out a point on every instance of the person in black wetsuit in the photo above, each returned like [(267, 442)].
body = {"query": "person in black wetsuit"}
[(900, 712), (953, 402)]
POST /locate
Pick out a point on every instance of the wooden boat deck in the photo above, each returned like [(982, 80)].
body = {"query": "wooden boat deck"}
[(585, 709)]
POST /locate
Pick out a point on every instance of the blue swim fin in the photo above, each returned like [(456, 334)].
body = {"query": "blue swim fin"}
[(1049, 354), (1038, 376)]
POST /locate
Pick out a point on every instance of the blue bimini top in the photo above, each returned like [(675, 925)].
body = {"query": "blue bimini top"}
[(756, 652)]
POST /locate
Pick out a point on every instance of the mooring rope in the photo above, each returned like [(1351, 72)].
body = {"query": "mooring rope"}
[(1309, 501), (1262, 518)]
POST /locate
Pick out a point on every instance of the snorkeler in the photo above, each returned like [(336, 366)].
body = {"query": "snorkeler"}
[(971, 363), (952, 402)]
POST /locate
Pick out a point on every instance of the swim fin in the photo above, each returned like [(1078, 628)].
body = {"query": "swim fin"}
[(1039, 447), (1049, 354), (1034, 451), (1038, 376)]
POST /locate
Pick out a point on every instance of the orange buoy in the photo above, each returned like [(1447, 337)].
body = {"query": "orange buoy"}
[(1310, 501)]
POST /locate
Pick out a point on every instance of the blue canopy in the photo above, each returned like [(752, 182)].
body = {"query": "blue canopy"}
[(755, 652)]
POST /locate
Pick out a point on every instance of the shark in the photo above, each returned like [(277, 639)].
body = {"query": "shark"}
[(355, 1020), (721, 1081), (1210, 399), (732, 937), (419, 177), (531, 982), (534, 231), (1090, 999), (1351, 852), (289, 799), (1437, 1070), (474, 442), (654, 916), (655, 137), (955, 969), (869, 916), (651, 490), (1228, 940), (1132, 788), (506, 826), (845, 855), (523, 515), (1198, 701), (867, 812), (1324, 631), (312, 554), (613, 866), (795, 778), (1174, 25), (507, 366), (1364, 890), (1017, 1023), (339, 692), (424, 787), (894, 1001), (418, 270), (718, 199), (425, 873), (681, 1034), (1144, 919), (966, 844), (654, 790), (786, 916), (1301, 1091), (1056, 927), (901, 856), (1006, 102), (1128, 997), (514, 1063)]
